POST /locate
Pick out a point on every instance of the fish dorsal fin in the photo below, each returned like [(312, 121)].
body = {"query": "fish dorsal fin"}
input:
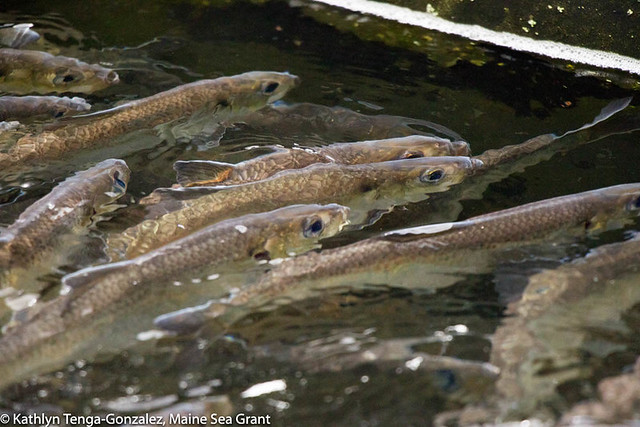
[(201, 172), (88, 275), (421, 232)]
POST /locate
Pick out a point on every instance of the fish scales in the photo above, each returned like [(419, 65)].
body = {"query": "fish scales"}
[(482, 232), (215, 173), (58, 330), (320, 183), (248, 90), (70, 204)]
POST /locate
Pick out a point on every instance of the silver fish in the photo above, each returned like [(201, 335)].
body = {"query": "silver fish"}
[(24, 107), (30, 71), (103, 300), (449, 244), (33, 243)]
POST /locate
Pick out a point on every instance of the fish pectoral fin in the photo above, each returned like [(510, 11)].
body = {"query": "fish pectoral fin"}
[(89, 275), (600, 223), (201, 172)]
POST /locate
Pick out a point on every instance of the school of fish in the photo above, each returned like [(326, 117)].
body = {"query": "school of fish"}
[(265, 217)]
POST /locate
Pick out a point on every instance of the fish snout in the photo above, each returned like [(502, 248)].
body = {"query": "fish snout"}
[(476, 164), (294, 80), (112, 77)]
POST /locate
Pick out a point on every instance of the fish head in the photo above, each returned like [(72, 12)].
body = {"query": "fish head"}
[(617, 205), (434, 174), (258, 88), (298, 228), (415, 146), (112, 175), (76, 76)]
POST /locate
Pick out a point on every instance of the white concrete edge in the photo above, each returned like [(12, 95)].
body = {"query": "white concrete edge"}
[(556, 50)]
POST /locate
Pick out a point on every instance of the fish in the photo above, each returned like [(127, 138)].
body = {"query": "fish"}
[(500, 163), (496, 163), (202, 172), (17, 35), (328, 124), (30, 71), (35, 241), (379, 184), (510, 153), (23, 107), (437, 244), (101, 300), (347, 351), (244, 91), (587, 292)]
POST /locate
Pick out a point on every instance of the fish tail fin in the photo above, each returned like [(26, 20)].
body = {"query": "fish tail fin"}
[(201, 172), (607, 111)]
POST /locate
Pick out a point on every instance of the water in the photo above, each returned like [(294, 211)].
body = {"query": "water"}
[(491, 96)]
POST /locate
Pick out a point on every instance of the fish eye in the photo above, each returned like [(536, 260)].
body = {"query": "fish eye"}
[(120, 183), (432, 175), (66, 76), (58, 114), (271, 87), (312, 227), (411, 155), (634, 204)]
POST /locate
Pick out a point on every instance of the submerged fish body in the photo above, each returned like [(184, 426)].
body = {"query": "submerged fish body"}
[(36, 236), (319, 183), (583, 294), (339, 123), (23, 107), (244, 91), (102, 298), (18, 35), (448, 244), (29, 71), (196, 173)]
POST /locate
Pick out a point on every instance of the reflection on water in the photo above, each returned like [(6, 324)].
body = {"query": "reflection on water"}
[(353, 356)]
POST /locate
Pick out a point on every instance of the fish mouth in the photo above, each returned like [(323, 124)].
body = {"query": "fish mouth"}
[(476, 164), (112, 77), (345, 218), (295, 80)]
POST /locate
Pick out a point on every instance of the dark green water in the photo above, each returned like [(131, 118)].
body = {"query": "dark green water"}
[(491, 96)]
